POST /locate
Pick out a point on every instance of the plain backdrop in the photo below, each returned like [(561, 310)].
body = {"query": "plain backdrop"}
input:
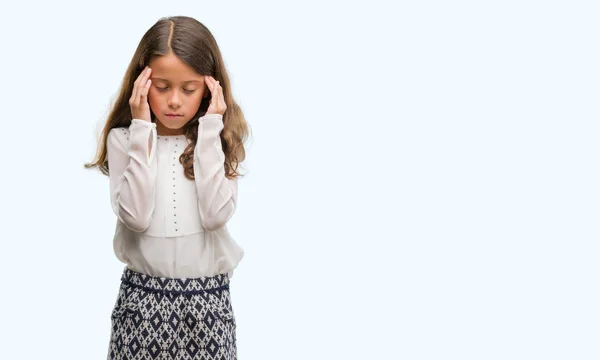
[(421, 180)]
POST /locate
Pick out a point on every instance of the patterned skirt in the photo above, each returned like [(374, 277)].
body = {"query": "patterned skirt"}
[(168, 318)]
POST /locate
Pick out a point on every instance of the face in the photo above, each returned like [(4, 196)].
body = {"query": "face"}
[(175, 93)]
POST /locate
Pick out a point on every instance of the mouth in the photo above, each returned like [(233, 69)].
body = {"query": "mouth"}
[(171, 116)]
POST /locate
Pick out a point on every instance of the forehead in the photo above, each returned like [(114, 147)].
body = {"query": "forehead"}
[(171, 68)]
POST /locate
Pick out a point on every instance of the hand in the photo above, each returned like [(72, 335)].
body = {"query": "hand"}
[(217, 102), (140, 109)]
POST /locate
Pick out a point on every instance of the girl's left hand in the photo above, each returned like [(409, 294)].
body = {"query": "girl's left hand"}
[(217, 101)]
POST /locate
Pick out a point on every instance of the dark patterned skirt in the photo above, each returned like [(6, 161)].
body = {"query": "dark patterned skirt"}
[(166, 318)]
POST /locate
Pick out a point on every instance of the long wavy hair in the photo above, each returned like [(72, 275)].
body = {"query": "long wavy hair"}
[(195, 45)]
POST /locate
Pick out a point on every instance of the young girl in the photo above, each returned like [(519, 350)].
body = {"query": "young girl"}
[(171, 148)]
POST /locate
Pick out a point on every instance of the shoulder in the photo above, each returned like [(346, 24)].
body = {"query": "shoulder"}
[(118, 137)]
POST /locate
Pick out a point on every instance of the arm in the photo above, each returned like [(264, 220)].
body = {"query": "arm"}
[(217, 195), (133, 172)]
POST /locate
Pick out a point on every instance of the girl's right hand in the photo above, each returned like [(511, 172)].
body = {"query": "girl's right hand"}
[(140, 109)]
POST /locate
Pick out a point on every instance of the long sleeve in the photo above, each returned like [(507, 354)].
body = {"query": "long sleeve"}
[(217, 195), (133, 171)]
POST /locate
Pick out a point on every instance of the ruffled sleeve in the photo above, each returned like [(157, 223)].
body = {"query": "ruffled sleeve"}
[(217, 195), (133, 170)]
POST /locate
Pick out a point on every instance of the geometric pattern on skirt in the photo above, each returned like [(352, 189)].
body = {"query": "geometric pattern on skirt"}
[(170, 318)]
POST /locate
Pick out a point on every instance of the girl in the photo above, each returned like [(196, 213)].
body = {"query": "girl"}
[(171, 147)]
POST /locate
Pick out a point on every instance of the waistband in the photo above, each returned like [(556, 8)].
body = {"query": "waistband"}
[(165, 285)]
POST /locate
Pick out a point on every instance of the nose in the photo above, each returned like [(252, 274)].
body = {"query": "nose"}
[(174, 101)]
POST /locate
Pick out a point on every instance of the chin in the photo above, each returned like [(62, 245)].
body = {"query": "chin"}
[(172, 124)]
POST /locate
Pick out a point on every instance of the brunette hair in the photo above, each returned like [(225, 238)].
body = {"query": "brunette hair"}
[(194, 44)]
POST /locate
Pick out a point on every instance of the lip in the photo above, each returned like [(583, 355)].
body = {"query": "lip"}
[(173, 115)]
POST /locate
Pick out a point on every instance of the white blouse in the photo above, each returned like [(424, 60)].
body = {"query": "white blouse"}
[(168, 225)]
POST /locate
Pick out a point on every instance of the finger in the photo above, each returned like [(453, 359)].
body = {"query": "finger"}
[(145, 76), (211, 87), (219, 91), (134, 97), (222, 96), (140, 76), (144, 95), (135, 91), (215, 96), (143, 84), (208, 81), (212, 80)]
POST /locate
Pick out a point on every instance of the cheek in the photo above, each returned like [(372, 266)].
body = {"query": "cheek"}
[(153, 99), (196, 100)]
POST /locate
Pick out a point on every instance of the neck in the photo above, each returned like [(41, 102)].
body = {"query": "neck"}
[(161, 130)]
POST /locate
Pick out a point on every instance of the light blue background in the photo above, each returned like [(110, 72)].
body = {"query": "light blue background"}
[(422, 179)]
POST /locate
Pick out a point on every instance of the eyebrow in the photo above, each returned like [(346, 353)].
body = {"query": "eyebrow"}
[(165, 80)]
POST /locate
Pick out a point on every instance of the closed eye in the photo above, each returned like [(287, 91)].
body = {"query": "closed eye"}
[(161, 89)]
